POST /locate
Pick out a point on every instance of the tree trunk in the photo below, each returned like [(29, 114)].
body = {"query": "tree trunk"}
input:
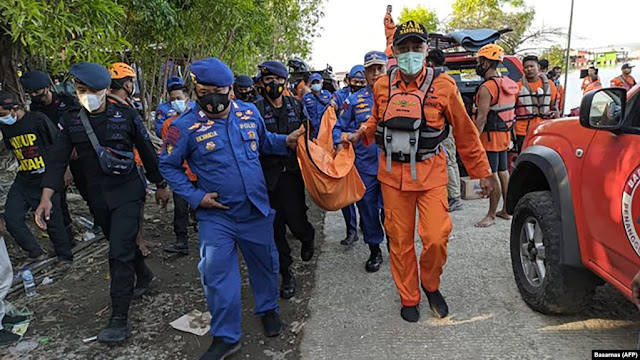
[(9, 65)]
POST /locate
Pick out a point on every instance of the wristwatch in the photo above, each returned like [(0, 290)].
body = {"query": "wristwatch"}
[(162, 184)]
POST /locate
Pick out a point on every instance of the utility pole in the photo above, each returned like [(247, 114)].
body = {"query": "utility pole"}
[(566, 71)]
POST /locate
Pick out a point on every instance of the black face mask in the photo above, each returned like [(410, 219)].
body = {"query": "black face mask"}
[(355, 89), (273, 90), (214, 103), (38, 99), (480, 70), (249, 96)]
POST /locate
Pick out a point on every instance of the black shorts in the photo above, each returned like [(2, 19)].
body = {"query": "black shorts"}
[(497, 160)]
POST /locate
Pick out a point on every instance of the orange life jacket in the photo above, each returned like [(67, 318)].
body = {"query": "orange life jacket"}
[(403, 133), (531, 105), (502, 114), (625, 84), (594, 85)]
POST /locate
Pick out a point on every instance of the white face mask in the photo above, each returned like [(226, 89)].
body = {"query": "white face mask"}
[(179, 105), (92, 101)]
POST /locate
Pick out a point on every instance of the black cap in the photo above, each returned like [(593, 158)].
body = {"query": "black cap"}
[(627, 66), (7, 100), (409, 29), (93, 75), (244, 81), (35, 80)]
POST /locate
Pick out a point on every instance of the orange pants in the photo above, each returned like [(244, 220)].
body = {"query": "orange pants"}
[(434, 226)]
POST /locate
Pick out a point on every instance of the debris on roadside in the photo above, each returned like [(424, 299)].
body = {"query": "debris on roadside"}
[(194, 322)]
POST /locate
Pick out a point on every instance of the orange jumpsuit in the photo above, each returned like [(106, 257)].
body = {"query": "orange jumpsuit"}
[(389, 30), (402, 195)]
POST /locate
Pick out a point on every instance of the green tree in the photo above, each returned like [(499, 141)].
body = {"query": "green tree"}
[(493, 14), (52, 35), (557, 56), (157, 35), (422, 15)]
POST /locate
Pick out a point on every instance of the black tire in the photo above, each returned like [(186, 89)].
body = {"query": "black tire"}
[(563, 290)]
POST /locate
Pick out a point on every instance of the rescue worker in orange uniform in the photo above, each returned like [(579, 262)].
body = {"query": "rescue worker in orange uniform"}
[(536, 100), (120, 92), (591, 81), (389, 30), (413, 112), (494, 112), (625, 80)]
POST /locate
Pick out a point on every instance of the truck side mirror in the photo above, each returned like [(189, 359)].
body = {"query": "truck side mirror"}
[(603, 109)]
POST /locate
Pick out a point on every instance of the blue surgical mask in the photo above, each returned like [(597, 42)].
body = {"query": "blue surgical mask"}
[(410, 63), (179, 105), (8, 120), (316, 87)]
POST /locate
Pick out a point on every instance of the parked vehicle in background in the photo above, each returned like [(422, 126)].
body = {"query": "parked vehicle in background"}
[(575, 200)]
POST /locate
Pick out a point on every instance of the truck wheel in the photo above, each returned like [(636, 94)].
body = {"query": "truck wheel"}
[(536, 237)]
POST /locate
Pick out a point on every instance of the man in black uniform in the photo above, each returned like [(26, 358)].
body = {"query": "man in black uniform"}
[(30, 136), (104, 135), (37, 85), (283, 115)]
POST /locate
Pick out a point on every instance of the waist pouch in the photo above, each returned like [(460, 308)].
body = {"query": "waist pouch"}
[(112, 161)]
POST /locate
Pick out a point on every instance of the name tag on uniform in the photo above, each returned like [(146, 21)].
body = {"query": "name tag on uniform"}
[(209, 135)]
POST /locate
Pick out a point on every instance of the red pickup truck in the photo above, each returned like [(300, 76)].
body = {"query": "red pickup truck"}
[(575, 199)]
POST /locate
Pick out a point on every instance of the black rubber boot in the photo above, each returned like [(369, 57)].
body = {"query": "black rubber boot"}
[(219, 350), (288, 287), (117, 330), (271, 323), (349, 240), (307, 249), (410, 313), (437, 303), (177, 248), (143, 285), (375, 259)]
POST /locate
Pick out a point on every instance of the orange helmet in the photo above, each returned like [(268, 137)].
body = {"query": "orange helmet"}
[(121, 70), (492, 52)]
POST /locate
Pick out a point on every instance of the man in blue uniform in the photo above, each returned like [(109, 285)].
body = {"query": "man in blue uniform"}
[(355, 82), (316, 101), (284, 115), (221, 140), (169, 109), (104, 135), (244, 89), (355, 111)]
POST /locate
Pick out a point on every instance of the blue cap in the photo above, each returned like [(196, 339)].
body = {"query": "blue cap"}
[(357, 72), (212, 71), (375, 58), (35, 80), (175, 81), (314, 77), (273, 68), (91, 74), (244, 81)]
